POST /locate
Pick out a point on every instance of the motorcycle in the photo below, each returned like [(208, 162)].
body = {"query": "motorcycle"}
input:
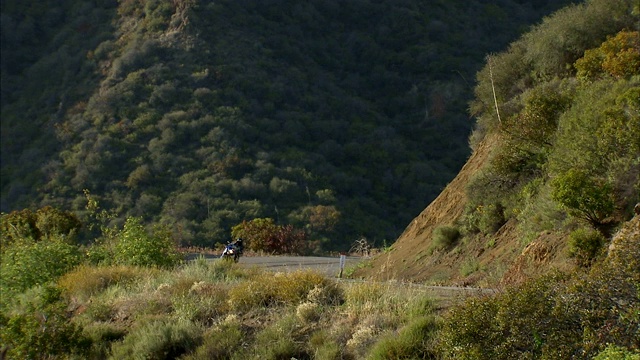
[(231, 252)]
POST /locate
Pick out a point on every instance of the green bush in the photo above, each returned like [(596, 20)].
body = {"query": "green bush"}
[(29, 263), (264, 235), (520, 323), (584, 245), (552, 317), (583, 196), (41, 329), (618, 57), (135, 246), (45, 223), (102, 334)]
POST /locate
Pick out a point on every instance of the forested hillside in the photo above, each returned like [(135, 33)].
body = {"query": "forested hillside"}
[(344, 118)]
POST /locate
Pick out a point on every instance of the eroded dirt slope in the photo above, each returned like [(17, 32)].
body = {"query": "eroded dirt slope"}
[(506, 261)]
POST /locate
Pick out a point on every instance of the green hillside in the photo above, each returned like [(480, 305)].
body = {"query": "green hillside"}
[(537, 237), (556, 166), (342, 118)]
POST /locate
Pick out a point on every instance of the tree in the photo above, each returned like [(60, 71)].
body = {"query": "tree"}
[(42, 224), (618, 57), (262, 234), (584, 196)]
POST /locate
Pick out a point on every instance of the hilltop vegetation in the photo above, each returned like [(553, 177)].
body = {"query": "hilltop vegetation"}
[(340, 118), (557, 163)]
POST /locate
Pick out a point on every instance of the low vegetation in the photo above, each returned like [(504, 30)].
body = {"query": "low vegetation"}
[(210, 309)]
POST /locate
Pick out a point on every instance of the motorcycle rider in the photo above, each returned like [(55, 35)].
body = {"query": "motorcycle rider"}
[(239, 245)]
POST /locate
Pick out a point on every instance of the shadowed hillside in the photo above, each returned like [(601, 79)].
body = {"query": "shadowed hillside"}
[(340, 118)]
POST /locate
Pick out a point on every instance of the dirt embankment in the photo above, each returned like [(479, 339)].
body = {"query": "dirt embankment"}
[(505, 261), (408, 259)]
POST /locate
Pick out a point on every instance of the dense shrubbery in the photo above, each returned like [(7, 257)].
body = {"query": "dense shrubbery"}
[(27, 263), (568, 126), (585, 245), (558, 316), (40, 328)]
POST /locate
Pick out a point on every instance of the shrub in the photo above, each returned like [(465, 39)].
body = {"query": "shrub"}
[(583, 196), (618, 57), (263, 235), (45, 223), (553, 317), (444, 237), (613, 352), (160, 339), (102, 334), (308, 312), (520, 323), (469, 267), (42, 330), (584, 245), (31, 263), (135, 246)]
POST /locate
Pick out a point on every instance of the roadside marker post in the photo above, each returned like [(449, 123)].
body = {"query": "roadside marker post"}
[(343, 260)]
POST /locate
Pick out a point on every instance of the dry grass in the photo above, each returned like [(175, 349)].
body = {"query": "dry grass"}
[(86, 281), (300, 314)]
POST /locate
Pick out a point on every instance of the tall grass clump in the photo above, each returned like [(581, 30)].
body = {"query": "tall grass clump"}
[(377, 311), (413, 341), (282, 339), (444, 237), (268, 289), (585, 245), (324, 347), (219, 342), (159, 339), (86, 281)]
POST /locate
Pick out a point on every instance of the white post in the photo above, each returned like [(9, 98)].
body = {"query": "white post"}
[(343, 260)]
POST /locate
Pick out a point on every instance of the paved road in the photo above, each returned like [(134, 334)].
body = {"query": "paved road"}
[(445, 295), (331, 267), (326, 265)]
